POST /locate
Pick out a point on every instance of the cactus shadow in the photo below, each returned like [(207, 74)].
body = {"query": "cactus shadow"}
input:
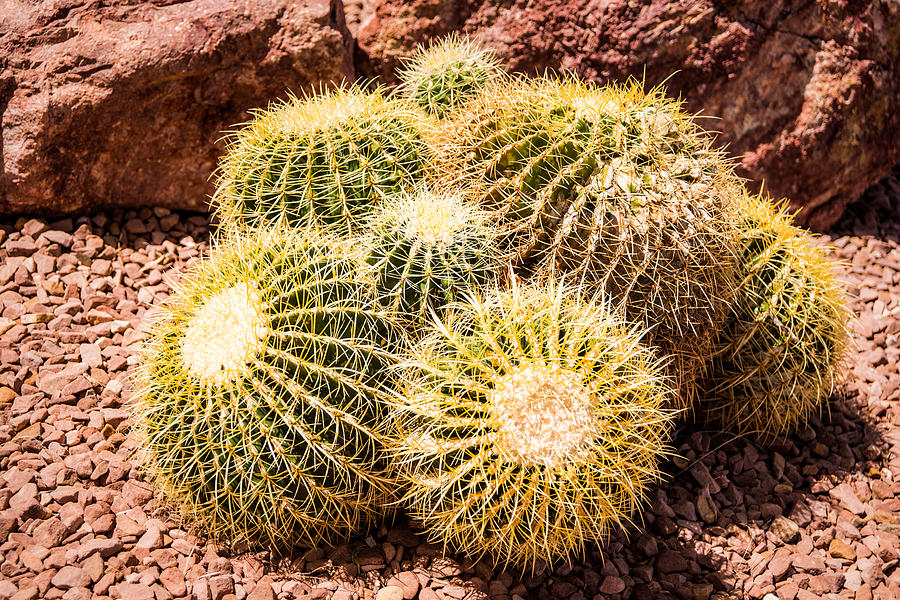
[(724, 494)]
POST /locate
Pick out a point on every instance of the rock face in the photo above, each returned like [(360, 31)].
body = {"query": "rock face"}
[(807, 92), (122, 102)]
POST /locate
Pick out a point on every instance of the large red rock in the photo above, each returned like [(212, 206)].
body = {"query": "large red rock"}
[(122, 102), (806, 92)]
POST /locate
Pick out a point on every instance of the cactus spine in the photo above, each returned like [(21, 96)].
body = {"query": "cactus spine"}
[(259, 397), (428, 247), (533, 425), (785, 340), (328, 159), (447, 74)]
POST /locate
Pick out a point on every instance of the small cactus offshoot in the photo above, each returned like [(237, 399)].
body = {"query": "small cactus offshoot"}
[(533, 424), (327, 159), (261, 392), (448, 73), (785, 340), (428, 247)]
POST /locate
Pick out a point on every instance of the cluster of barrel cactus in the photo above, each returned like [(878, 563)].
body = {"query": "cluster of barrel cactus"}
[(480, 298)]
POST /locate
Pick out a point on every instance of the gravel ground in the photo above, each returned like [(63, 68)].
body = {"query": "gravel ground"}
[(816, 515)]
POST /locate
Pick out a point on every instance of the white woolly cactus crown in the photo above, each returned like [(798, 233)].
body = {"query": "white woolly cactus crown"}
[(435, 217), (224, 334), (542, 415)]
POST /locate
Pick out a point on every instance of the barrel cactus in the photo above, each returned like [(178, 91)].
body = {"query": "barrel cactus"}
[(448, 73), (531, 427), (615, 187), (260, 395), (785, 340), (327, 159), (426, 248)]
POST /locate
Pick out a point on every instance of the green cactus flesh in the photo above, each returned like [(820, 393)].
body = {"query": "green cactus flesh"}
[(785, 340), (427, 248), (532, 426), (447, 74), (328, 159), (260, 394)]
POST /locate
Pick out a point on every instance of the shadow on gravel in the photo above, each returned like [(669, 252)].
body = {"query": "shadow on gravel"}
[(876, 214), (736, 509)]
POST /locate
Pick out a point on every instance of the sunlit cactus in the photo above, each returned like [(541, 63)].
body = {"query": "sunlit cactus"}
[(448, 73), (616, 187), (785, 340), (327, 159), (427, 248), (260, 395), (532, 424)]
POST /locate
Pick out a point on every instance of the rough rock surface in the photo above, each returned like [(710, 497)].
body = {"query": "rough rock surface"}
[(807, 92), (815, 515), (122, 102)]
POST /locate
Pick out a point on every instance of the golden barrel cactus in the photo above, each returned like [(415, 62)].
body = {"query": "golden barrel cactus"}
[(326, 160), (615, 187), (531, 425), (785, 340), (260, 397)]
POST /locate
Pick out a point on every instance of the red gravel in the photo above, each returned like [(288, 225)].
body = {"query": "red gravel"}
[(816, 515)]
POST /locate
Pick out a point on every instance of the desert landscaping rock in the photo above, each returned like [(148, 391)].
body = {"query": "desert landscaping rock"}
[(813, 515), (785, 530), (391, 592), (83, 90), (803, 93), (70, 577)]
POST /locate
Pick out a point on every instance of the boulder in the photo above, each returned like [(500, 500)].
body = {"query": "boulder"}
[(123, 102), (806, 93)]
